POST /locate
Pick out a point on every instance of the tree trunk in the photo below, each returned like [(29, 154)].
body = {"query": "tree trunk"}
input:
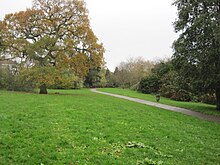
[(217, 99), (43, 89)]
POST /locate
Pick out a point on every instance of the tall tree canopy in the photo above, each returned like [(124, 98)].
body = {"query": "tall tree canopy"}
[(52, 40), (197, 50)]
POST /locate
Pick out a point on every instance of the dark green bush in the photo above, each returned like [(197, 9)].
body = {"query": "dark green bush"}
[(149, 84)]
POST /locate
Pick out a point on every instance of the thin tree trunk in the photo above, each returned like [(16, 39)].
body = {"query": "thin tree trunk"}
[(217, 99), (43, 89)]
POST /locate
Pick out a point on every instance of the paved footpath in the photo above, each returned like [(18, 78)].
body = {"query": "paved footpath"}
[(167, 107)]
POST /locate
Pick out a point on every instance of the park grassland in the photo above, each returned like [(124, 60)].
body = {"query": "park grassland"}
[(81, 127), (196, 106)]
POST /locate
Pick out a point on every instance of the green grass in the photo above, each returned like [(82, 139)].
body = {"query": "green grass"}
[(201, 107), (81, 127)]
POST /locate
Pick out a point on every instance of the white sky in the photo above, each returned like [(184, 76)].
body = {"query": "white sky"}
[(127, 28)]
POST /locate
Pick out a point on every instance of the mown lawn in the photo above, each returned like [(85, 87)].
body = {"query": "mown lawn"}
[(81, 127), (200, 107)]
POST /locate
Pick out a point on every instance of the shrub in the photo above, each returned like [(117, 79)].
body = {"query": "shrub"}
[(150, 84), (20, 83), (177, 94), (167, 90), (182, 95), (208, 98)]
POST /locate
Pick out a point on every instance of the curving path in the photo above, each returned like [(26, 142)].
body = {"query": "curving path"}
[(167, 107)]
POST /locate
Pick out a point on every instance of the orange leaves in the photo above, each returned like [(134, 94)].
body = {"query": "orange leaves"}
[(2, 26), (79, 65), (54, 36)]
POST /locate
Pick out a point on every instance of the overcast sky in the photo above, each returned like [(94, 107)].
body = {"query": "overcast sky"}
[(127, 28)]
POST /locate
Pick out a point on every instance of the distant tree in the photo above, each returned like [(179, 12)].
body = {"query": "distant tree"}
[(122, 76), (96, 77), (53, 41), (197, 50), (153, 82), (162, 67), (108, 74), (103, 80), (129, 73), (110, 80), (92, 77)]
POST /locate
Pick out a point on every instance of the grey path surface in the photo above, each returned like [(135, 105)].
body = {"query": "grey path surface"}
[(167, 107)]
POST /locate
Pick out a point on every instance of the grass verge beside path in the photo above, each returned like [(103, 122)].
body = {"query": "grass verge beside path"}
[(81, 127), (200, 107)]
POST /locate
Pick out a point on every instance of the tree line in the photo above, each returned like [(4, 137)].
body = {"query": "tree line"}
[(193, 72), (156, 77), (52, 45)]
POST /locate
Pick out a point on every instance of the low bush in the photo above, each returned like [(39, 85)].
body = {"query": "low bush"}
[(208, 98), (182, 95), (150, 84)]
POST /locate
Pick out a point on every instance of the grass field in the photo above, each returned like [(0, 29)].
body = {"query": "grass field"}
[(200, 107), (81, 127)]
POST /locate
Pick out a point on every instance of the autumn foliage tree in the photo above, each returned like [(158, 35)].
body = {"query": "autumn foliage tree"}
[(52, 41)]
